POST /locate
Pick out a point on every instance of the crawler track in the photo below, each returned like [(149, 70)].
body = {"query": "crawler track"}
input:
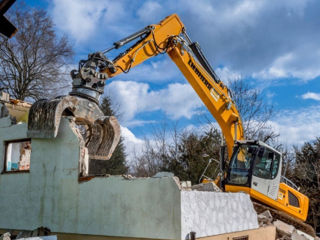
[(298, 224)]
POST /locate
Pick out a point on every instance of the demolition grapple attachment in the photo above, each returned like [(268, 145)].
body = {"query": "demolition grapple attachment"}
[(100, 133)]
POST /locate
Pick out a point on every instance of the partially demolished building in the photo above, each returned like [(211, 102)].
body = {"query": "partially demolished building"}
[(43, 182)]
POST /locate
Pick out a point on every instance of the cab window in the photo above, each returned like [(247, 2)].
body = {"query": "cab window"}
[(266, 163), (241, 163)]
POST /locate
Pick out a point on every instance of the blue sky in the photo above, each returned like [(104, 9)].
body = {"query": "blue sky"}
[(274, 45)]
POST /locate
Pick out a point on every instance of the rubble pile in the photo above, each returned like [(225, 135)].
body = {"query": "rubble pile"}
[(284, 231), (40, 233)]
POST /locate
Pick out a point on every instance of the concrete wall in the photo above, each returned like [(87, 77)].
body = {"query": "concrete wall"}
[(212, 213), (50, 195)]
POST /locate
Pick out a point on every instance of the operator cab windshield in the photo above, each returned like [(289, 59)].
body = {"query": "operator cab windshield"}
[(240, 164), (261, 161)]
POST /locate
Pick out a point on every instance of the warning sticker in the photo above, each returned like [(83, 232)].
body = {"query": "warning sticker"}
[(214, 94)]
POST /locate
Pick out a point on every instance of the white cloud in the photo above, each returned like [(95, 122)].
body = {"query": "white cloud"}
[(257, 37), (177, 100), (133, 145), (82, 19), (286, 67), (299, 126), (264, 39), (137, 123), (311, 95), (159, 69), (226, 75), (151, 12)]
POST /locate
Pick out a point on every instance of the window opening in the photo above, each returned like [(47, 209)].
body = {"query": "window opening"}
[(18, 155)]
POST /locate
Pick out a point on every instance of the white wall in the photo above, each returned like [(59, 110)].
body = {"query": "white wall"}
[(212, 213)]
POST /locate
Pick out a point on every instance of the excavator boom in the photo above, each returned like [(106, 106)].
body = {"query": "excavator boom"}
[(165, 37)]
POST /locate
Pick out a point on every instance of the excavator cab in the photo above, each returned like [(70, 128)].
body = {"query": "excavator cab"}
[(255, 165), (255, 168)]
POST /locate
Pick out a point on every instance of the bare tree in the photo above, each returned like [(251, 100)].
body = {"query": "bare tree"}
[(254, 111), (33, 63), (155, 151), (184, 153)]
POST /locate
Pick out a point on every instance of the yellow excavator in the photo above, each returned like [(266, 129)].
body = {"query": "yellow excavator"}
[(254, 167)]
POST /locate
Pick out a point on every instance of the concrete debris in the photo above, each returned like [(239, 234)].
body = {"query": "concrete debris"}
[(265, 218), (286, 231), (186, 185), (5, 236), (283, 228), (307, 236), (206, 187), (41, 231), (284, 237), (40, 238), (127, 176), (5, 97), (297, 236)]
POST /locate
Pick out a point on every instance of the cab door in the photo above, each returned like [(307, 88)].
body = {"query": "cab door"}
[(265, 173)]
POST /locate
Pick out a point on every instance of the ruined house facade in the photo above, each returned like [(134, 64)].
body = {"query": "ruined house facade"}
[(41, 185)]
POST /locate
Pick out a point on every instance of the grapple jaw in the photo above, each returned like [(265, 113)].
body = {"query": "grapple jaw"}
[(101, 134)]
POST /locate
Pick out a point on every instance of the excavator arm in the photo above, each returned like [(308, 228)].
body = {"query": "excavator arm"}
[(169, 37)]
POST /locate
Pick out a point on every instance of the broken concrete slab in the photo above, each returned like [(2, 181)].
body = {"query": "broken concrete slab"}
[(307, 236), (266, 214), (206, 187), (186, 185), (4, 97), (54, 237), (265, 218), (5, 236), (296, 236), (284, 228)]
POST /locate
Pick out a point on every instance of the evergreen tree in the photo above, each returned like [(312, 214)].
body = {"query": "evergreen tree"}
[(117, 163), (186, 156), (306, 173), (194, 153)]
